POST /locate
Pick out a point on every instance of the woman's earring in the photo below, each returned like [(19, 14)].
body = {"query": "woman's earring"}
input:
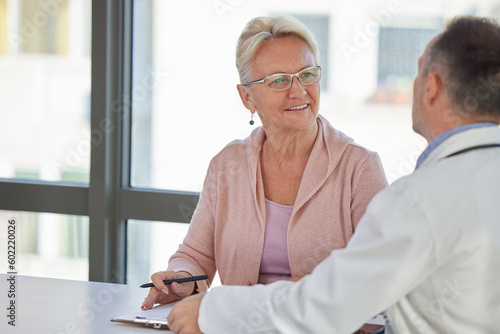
[(251, 120)]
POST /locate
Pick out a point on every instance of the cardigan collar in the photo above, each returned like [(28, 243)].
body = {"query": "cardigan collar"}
[(327, 151)]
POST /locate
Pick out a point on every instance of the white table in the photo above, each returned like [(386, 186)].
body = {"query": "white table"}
[(55, 306)]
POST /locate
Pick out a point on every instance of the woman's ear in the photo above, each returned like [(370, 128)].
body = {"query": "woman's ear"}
[(245, 97)]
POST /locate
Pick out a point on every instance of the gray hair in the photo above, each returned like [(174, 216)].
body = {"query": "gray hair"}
[(468, 53), (261, 29)]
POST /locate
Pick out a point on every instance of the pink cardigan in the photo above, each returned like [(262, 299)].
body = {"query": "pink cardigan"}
[(227, 229)]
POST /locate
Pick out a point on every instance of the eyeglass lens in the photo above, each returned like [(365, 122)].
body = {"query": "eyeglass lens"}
[(308, 76)]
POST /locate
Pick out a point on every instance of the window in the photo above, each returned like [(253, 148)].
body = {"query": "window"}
[(395, 74), (43, 27), (149, 245), (319, 25), (45, 108), (67, 174), (50, 245), (3, 26), (45, 90)]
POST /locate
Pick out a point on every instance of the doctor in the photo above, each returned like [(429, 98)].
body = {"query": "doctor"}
[(427, 250)]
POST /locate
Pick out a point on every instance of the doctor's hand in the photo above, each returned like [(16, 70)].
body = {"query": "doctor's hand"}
[(164, 294), (183, 318)]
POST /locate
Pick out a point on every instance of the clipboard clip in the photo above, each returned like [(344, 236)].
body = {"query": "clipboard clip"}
[(155, 323)]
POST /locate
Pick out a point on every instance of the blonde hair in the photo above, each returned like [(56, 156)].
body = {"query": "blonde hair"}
[(261, 29)]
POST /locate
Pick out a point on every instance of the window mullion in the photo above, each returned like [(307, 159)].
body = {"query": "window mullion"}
[(107, 237)]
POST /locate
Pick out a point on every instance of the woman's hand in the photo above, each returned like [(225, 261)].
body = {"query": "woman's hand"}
[(164, 294), (183, 319)]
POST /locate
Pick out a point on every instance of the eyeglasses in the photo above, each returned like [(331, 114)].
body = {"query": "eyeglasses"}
[(282, 81)]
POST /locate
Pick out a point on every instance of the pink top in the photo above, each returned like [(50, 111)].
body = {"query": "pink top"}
[(274, 265), (228, 226)]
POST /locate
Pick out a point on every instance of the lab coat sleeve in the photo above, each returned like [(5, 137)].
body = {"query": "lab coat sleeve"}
[(390, 253)]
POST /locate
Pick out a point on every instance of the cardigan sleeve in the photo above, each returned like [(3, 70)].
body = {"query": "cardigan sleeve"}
[(368, 180), (196, 254)]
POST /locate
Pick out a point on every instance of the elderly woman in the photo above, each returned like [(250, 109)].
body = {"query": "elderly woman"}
[(277, 203)]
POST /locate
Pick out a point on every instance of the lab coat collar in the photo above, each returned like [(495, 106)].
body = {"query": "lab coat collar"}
[(463, 140)]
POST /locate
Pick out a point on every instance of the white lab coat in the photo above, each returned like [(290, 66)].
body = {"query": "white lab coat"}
[(427, 252)]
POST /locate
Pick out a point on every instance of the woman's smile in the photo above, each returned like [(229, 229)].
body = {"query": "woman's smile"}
[(298, 108)]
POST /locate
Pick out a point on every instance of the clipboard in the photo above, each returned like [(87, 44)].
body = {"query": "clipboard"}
[(154, 318)]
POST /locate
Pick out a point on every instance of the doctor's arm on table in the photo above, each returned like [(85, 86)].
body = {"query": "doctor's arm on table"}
[(383, 261)]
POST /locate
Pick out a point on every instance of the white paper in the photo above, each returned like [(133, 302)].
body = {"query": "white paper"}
[(159, 312), (378, 320)]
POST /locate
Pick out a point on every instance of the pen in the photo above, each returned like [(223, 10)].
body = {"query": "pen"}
[(178, 280)]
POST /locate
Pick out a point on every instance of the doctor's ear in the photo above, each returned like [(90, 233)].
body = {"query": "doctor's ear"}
[(434, 88), (245, 97)]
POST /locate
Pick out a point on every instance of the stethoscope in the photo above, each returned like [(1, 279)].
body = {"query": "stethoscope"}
[(472, 149)]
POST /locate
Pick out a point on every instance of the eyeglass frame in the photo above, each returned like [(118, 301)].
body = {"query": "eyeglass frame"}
[(291, 80)]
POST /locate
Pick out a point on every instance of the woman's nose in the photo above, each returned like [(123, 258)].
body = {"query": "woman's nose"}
[(296, 88)]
